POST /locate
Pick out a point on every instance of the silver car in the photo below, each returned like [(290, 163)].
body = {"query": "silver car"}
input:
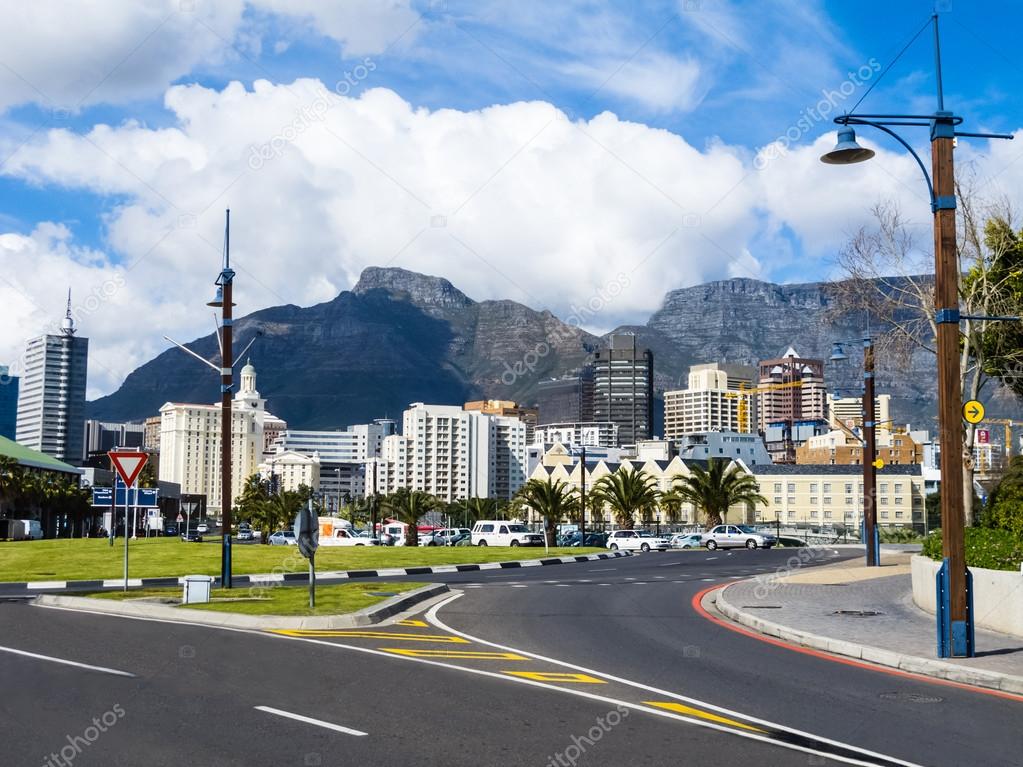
[(686, 540), (737, 536)]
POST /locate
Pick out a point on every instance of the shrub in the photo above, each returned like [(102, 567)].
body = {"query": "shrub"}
[(987, 548), (899, 535)]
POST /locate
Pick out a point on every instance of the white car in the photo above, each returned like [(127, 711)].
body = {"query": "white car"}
[(344, 536), (686, 540), (202, 528), (735, 537), (494, 532), (636, 540), (283, 538)]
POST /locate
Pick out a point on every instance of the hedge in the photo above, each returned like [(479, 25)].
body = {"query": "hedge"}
[(985, 547)]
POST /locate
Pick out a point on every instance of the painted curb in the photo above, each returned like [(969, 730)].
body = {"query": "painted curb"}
[(29, 588), (368, 616), (911, 663)]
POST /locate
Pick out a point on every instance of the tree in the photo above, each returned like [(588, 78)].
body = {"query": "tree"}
[(671, 505), (409, 506), (550, 500), (626, 493), (718, 487), (1005, 505), (12, 477), (889, 282)]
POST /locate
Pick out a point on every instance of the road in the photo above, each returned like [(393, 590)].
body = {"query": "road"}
[(593, 663)]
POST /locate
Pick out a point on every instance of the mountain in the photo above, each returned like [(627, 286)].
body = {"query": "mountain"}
[(399, 337)]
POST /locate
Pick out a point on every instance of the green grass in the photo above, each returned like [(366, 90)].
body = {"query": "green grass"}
[(88, 558), (280, 600)]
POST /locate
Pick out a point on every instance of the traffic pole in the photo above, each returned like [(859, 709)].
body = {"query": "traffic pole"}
[(870, 534)]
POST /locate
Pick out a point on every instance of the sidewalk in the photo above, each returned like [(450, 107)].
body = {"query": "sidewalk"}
[(867, 613)]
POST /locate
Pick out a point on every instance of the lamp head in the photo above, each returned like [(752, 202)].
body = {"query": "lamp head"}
[(837, 353), (847, 151), (218, 300)]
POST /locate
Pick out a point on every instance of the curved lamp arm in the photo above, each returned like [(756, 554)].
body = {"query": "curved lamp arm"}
[(850, 120)]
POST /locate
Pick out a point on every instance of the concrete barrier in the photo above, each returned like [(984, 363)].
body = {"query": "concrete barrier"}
[(997, 595)]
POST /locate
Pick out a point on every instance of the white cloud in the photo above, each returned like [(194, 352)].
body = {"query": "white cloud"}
[(514, 201)]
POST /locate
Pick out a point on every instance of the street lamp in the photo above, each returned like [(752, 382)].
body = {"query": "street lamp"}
[(868, 531), (954, 614)]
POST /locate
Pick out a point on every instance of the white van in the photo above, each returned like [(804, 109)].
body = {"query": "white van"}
[(495, 532)]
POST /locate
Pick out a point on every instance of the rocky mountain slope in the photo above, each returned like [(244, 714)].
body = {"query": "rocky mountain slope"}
[(399, 337)]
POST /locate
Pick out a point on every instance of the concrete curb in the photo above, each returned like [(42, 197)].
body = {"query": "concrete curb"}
[(366, 617), (911, 663), (15, 588)]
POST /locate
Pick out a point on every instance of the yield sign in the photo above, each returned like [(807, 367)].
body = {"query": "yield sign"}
[(128, 465)]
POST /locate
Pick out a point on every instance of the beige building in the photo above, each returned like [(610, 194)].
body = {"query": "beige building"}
[(190, 442), (712, 401), (843, 447), (292, 470), (151, 433), (848, 412), (812, 495), (507, 409), (788, 404)]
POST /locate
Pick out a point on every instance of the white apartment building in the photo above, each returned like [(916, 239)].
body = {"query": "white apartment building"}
[(452, 454), (589, 433), (713, 401), (190, 442), (292, 470)]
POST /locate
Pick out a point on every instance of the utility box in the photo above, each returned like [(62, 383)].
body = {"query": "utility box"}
[(197, 589)]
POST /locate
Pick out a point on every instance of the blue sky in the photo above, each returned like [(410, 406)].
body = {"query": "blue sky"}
[(465, 113)]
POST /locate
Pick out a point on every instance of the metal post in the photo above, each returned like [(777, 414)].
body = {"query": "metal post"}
[(870, 535), (312, 580), (125, 529), (946, 299), (226, 421), (582, 498)]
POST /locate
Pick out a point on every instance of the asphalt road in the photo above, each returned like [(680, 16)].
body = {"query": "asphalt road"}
[(656, 683)]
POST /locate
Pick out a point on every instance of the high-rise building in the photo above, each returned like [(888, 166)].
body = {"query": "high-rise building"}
[(8, 403), (848, 412), (623, 388), (190, 442), (100, 437), (568, 399), (792, 403), (713, 401), (452, 454), (507, 409), (51, 399), (589, 434), (151, 433)]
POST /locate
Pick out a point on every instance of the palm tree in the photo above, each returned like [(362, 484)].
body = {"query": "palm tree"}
[(550, 500), (11, 480), (671, 504), (714, 489), (408, 506), (626, 493)]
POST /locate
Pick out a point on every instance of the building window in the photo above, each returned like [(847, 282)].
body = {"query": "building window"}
[(848, 500), (848, 515), (777, 500), (792, 500), (813, 515), (898, 488), (813, 500), (827, 488), (884, 515), (827, 515), (813, 487), (898, 501), (777, 487), (848, 488), (884, 487), (827, 500), (792, 487), (884, 500), (898, 515)]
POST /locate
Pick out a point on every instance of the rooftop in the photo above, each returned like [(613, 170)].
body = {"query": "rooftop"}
[(33, 459)]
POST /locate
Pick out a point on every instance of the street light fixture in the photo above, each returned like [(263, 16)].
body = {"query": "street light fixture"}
[(868, 531), (954, 614)]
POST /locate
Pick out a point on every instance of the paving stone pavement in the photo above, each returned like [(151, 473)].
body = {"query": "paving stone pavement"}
[(836, 611)]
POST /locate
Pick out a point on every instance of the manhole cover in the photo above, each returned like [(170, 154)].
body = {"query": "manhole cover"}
[(761, 607), (910, 697), (858, 613)]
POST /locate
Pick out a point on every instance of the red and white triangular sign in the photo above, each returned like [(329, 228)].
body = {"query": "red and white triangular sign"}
[(128, 465)]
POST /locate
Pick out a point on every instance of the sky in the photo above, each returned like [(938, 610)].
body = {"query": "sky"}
[(565, 155)]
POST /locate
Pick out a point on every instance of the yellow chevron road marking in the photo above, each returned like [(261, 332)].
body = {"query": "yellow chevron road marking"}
[(410, 622), (372, 635), (552, 676), (678, 708), (460, 654)]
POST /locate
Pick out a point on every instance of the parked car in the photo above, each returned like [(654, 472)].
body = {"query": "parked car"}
[(686, 540), (494, 532), (191, 536), (575, 538), (448, 536), (246, 534), (636, 540), (283, 538), (737, 536), (202, 527), (345, 536), (170, 530)]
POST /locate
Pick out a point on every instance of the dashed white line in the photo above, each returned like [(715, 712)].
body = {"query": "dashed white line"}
[(310, 720), (64, 662)]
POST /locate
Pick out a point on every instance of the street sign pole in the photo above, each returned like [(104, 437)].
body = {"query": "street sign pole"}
[(128, 465)]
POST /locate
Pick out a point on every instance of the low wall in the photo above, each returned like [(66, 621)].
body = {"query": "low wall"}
[(997, 595)]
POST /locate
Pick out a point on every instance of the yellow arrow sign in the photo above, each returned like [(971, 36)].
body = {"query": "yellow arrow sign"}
[(973, 411), (879, 463)]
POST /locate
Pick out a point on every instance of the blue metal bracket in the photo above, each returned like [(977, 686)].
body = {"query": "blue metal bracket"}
[(945, 202), (950, 316), (956, 639)]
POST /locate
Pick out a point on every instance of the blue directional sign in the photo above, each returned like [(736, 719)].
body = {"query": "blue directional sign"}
[(141, 497)]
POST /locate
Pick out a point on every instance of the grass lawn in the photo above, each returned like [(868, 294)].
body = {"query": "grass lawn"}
[(281, 600), (88, 558)]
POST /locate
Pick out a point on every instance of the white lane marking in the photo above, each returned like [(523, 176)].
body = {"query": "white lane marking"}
[(431, 617), (310, 720), (706, 579), (104, 669), (518, 585), (711, 559), (603, 584), (602, 570), (563, 584)]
